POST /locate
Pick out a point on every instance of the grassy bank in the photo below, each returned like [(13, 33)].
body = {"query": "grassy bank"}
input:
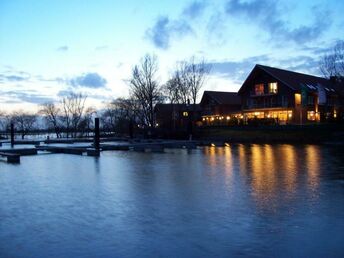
[(276, 134)]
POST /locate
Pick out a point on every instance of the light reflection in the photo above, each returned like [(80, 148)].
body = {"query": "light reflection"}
[(289, 158), (220, 156), (273, 170), (312, 164)]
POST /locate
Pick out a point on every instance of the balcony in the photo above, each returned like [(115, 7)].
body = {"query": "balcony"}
[(266, 105)]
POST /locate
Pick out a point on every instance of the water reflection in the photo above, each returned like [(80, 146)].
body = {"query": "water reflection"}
[(313, 159), (274, 172)]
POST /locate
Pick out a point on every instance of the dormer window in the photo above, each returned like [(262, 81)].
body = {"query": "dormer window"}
[(273, 87), (259, 89)]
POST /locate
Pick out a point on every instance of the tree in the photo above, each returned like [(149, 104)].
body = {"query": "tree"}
[(73, 107), (24, 122), (85, 125), (196, 74), (145, 88), (120, 115), (332, 64), (176, 88), (52, 115)]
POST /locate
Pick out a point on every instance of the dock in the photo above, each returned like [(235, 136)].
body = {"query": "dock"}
[(13, 155)]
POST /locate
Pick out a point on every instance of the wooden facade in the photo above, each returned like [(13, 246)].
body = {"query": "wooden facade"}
[(286, 97)]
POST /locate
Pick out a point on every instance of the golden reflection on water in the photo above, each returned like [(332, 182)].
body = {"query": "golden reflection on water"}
[(313, 159), (273, 172), (218, 157)]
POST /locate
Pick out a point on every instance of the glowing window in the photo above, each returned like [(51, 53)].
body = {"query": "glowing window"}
[(273, 87), (297, 99), (259, 89), (311, 115)]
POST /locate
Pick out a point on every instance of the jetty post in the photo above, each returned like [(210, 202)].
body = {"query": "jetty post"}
[(96, 133), (96, 141), (12, 135)]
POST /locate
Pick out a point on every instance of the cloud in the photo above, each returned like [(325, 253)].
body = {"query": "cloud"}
[(68, 92), (87, 80), (62, 48), (194, 9), (26, 96), (267, 15), (21, 76), (164, 29), (237, 71)]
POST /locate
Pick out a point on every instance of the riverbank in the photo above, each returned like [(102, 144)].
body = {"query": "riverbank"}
[(331, 134)]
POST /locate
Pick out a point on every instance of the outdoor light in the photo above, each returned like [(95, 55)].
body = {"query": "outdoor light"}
[(156, 124), (228, 117), (290, 115), (212, 145), (226, 144), (212, 119)]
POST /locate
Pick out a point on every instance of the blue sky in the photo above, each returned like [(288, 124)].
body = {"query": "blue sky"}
[(49, 48)]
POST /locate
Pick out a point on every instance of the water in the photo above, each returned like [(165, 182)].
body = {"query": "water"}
[(243, 200)]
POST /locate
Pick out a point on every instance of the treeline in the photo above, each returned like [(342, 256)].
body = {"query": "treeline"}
[(72, 117)]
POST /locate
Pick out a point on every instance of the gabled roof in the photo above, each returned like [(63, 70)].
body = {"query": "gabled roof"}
[(293, 80), (222, 97)]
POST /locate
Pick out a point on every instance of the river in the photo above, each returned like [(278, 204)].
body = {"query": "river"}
[(237, 201)]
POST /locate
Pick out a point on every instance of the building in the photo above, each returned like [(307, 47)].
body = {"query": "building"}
[(219, 107), (176, 116), (268, 96), (287, 97)]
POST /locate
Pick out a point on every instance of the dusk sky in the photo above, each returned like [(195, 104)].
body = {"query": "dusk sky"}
[(49, 48)]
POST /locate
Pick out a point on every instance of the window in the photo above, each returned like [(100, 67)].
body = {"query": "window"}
[(297, 99), (259, 89), (273, 87), (185, 114), (284, 101), (311, 115), (310, 100)]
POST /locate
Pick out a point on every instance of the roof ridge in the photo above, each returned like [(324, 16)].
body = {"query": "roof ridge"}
[(289, 71)]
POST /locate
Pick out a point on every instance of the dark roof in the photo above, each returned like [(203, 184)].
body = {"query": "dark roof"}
[(222, 97), (293, 80), (168, 107)]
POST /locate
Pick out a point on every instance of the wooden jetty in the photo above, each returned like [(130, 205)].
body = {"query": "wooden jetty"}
[(11, 157)]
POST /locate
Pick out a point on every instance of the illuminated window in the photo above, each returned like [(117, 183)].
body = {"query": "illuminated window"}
[(259, 89), (273, 87), (185, 114), (311, 115), (297, 99)]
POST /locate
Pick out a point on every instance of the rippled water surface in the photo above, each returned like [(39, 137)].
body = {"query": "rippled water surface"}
[(242, 200)]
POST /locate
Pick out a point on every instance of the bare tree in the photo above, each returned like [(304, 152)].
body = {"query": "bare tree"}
[(196, 74), (85, 125), (332, 64), (24, 122), (52, 115), (145, 88), (177, 88), (120, 115), (73, 107)]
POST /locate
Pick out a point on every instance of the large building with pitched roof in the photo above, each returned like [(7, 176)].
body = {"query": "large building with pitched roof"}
[(288, 97)]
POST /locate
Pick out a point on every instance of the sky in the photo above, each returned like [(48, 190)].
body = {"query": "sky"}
[(49, 48)]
